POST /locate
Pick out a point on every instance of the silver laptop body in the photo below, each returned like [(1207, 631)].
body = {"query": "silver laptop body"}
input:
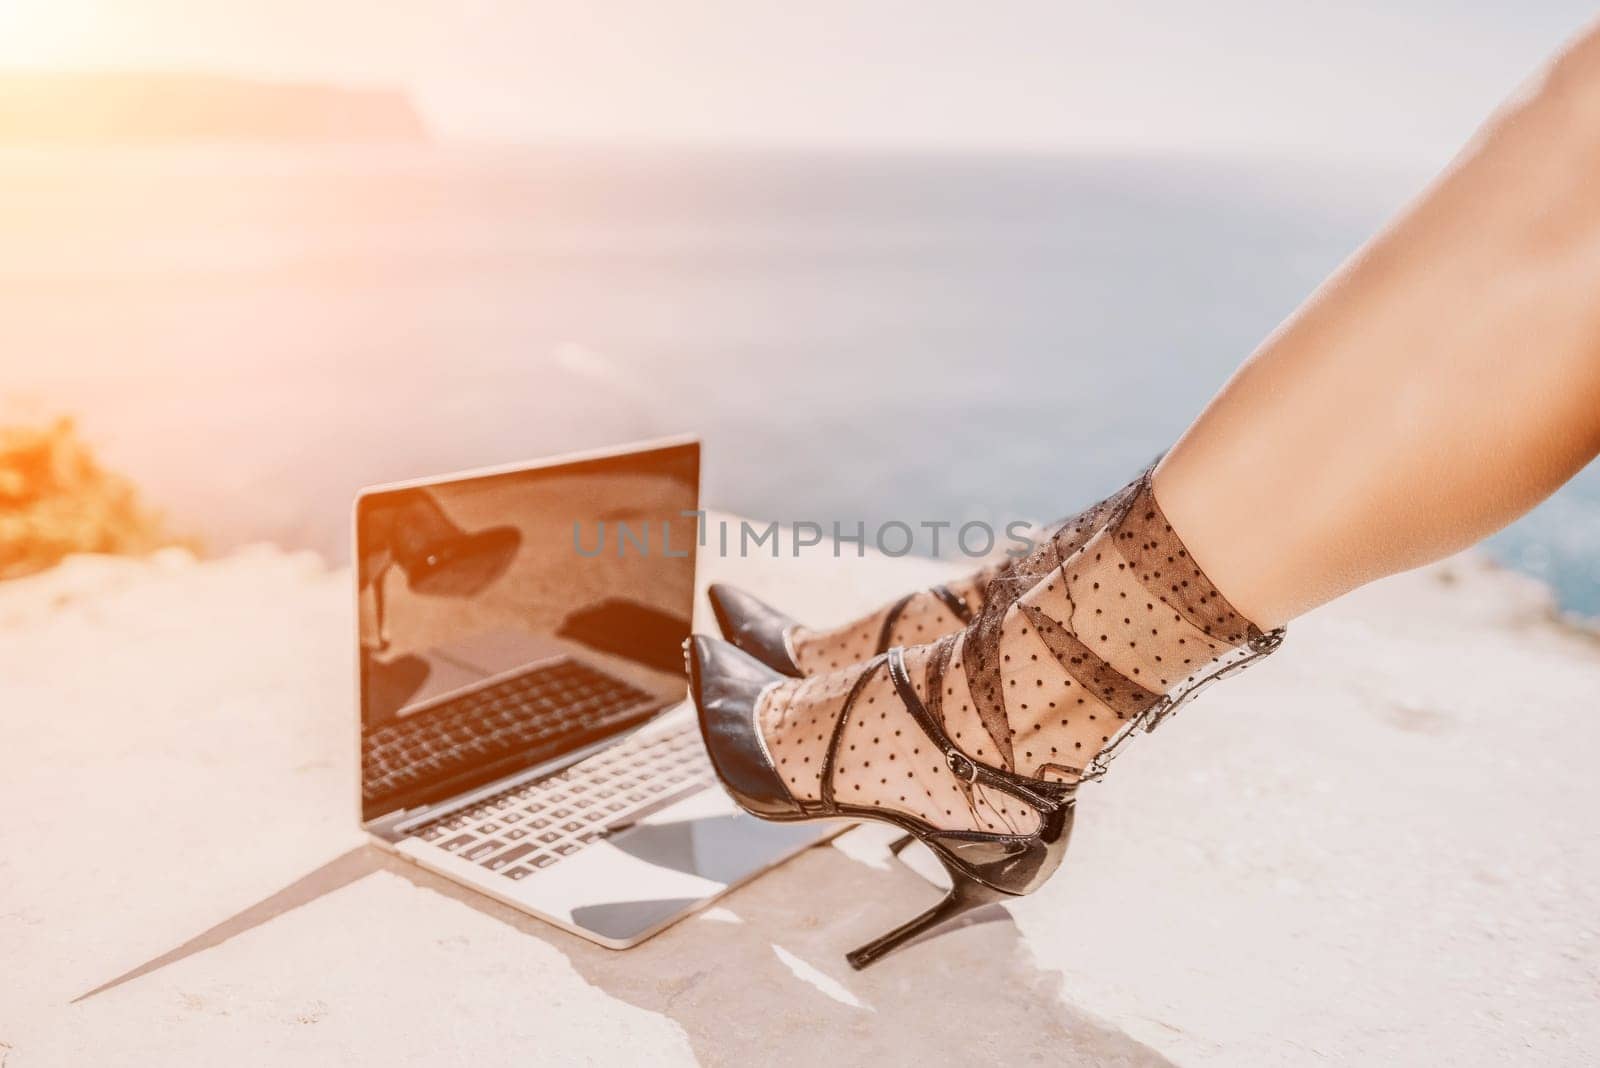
[(522, 727)]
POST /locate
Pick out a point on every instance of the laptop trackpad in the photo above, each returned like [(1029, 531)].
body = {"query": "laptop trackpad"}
[(668, 863), (704, 835)]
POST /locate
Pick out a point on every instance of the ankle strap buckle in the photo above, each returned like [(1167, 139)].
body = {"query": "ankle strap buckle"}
[(1262, 644), (961, 767), (1151, 718)]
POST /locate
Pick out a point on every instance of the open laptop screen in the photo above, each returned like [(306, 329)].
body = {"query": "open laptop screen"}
[(508, 618)]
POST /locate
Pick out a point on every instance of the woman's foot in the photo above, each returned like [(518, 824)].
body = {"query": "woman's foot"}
[(976, 743), (783, 643), (918, 618), (984, 865), (1038, 687)]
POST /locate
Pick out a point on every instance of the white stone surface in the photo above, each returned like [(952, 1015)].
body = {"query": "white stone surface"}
[(1378, 847)]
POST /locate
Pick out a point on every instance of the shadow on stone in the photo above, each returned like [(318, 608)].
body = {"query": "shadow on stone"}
[(969, 992), (340, 871)]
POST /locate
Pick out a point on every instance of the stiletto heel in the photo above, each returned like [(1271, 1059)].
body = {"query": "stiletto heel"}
[(727, 683), (965, 895), (999, 833)]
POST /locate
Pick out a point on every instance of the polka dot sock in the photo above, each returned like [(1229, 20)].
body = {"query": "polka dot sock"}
[(923, 616), (1039, 686)]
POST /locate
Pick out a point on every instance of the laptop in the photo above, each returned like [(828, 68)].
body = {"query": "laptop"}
[(523, 723)]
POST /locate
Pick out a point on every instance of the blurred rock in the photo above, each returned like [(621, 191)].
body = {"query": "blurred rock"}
[(55, 500)]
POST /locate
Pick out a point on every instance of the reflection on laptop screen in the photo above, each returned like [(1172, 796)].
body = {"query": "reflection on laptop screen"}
[(507, 619)]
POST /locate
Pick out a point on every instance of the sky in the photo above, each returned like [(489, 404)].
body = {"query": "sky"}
[(1400, 79)]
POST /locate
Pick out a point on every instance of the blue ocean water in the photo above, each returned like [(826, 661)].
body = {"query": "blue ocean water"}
[(255, 334)]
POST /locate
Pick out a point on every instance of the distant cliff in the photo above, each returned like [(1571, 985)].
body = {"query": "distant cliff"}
[(159, 108)]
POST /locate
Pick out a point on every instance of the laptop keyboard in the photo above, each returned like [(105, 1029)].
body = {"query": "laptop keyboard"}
[(534, 826), (538, 714)]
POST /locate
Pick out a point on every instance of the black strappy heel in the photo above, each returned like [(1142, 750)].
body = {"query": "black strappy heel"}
[(764, 632), (727, 684), (755, 626)]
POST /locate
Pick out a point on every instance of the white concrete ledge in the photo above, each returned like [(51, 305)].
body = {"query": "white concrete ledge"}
[(1376, 848)]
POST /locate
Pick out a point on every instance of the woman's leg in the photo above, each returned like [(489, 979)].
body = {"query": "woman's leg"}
[(1440, 384)]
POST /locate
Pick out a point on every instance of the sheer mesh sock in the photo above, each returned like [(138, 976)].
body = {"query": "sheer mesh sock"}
[(926, 615), (1042, 685), (882, 759)]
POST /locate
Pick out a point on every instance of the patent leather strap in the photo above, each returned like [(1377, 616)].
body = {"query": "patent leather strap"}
[(955, 602), (949, 598), (892, 617), (825, 791), (1260, 645), (1046, 796)]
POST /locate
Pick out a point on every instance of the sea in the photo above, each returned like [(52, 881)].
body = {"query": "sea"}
[(253, 333)]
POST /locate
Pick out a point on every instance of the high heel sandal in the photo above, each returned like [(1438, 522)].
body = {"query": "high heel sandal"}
[(756, 627), (766, 633), (727, 685)]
